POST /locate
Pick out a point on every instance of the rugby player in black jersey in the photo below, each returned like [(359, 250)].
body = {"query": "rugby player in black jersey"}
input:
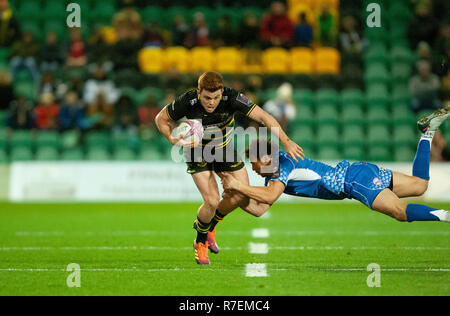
[(215, 105)]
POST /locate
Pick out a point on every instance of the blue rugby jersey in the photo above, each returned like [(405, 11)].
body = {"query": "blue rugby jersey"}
[(310, 178)]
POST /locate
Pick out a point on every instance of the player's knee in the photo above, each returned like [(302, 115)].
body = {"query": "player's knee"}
[(399, 212), (212, 202), (421, 186)]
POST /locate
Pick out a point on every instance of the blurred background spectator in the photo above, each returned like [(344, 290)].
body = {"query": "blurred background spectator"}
[(25, 53), (47, 113), (77, 55), (126, 117), (72, 112), (349, 38), (100, 84), (276, 27), (282, 107), (6, 89), (9, 26), (424, 88), (327, 26), (52, 55), (20, 114), (303, 33)]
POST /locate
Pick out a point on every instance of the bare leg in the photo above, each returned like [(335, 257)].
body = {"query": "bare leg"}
[(207, 186), (408, 186), (233, 200), (388, 203)]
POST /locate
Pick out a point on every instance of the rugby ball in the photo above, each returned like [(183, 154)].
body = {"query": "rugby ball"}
[(191, 130)]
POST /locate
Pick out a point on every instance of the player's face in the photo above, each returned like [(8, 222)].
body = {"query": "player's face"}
[(210, 100), (262, 168)]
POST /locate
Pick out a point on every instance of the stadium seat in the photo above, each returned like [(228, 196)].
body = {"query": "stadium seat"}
[(3, 118), (402, 115), (304, 116), (102, 13), (97, 154), (151, 60), (21, 153), (353, 135), (377, 96), (124, 154), (400, 95), (354, 153), (327, 135), (229, 60), (47, 153), (150, 154), (123, 140), (351, 97), (404, 136), (399, 12), (303, 97), (54, 10), (4, 138), (376, 73), (404, 154), (352, 115), (329, 153), (303, 135), (327, 60), (401, 72), (379, 153), (401, 54), (327, 96), (48, 139), (3, 156), (202, 59), (178, 57), (376, 53), (378, 116), (22, 138), (327, 114), (75, 154), (153, 13), (301, 60), (97, 140), (378, 135), (276, 60), (29, 10)]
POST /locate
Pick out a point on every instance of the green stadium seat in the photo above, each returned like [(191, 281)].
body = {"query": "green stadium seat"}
[(401, 54), (75, 154), (153, 13), (102, 13), (54, 10), (304, 117), (25, 89), (174, 11), (303, 136), (376, 53), (352, 115), (21, 153), (400, 94), (354, 152), (124, 154), (378, 135), (48, 139), (303, 97), (150, 154), (378, 116), (97, 139), (47, 153), (97, 154), (399, 11), (327, 96), (402, 115), (401, 72), (29, 11), (404, 136), (124, 140), (376, 73), (58, 27), (377, 95), (69, 139), (327, 135), (327, 114), (353, 136), (3, 156), (3, 118), (4, 138), (379, 153), (22, 138), (404, 154), (351, 96), (330, 153)]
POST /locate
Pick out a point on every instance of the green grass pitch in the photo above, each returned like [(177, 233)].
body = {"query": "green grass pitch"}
[(146, 249)]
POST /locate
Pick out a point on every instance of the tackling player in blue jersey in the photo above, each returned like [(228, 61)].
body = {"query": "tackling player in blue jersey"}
[(377, 188)]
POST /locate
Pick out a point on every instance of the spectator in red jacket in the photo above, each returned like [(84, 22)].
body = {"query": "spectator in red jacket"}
[(276, 28), (47, 112)]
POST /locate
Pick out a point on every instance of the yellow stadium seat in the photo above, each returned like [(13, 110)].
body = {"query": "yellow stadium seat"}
[(151, 60), (327, 60), (276, 60), (228, 60), (294, 13), (333, 5), (178, 57), (202, 59), (302, 60)]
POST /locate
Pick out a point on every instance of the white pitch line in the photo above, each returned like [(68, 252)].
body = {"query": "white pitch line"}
[(258, 248), (260, 233), (255, 270)]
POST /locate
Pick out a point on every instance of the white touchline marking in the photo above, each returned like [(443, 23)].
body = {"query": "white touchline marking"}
[(230, 232), (255, 245), (260, 233), (255, 270), (258, 248)]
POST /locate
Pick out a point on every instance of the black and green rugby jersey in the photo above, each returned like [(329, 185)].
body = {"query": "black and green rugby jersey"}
[(219, 125)]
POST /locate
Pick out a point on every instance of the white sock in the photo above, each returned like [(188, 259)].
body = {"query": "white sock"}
[(428, 135)]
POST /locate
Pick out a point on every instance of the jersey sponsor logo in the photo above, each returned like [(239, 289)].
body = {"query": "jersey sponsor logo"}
[(243, 99), (377, 181), (193, 102)]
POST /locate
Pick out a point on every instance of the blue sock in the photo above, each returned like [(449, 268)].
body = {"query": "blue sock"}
[(418, 212), (421, 164)]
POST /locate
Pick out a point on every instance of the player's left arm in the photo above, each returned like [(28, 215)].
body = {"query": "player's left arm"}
[(291, 148), (266, 195)]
